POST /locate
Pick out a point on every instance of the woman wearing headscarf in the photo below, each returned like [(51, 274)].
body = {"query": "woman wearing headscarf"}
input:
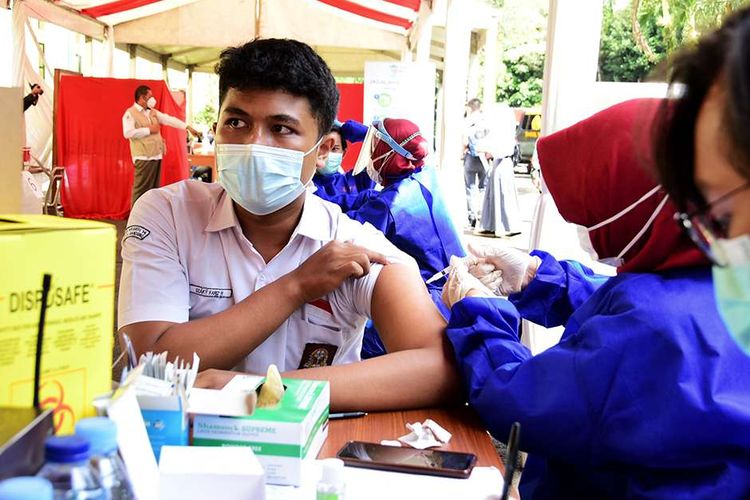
[(645, 395), (703, 155), (409, 210)]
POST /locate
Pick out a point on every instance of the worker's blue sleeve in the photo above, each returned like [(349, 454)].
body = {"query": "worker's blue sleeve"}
[(505, 383), (350, 202), (375, 210), (558, 289), (353, 131)]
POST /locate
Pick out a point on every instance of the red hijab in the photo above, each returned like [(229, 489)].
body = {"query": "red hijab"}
[(597, 168), (394, 165)]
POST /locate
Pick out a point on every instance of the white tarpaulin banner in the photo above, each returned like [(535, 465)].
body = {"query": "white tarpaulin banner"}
[(401, 90)]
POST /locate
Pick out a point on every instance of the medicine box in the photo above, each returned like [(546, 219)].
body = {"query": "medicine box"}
[(281, 436), (166, 421)]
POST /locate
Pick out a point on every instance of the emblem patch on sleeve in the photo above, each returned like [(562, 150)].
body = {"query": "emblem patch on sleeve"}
[(135, 231), (317, 355)]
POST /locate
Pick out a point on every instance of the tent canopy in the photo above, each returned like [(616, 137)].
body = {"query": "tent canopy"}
[(192, 33)]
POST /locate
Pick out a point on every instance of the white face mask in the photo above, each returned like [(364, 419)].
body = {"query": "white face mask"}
[(261, 179), (151, 103), (584, 235)]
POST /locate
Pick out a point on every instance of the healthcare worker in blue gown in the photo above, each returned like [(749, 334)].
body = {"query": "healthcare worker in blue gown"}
[(329, 180), (646, 395), (409, 210)]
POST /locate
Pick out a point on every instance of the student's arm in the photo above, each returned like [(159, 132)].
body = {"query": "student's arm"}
[(418, 370)]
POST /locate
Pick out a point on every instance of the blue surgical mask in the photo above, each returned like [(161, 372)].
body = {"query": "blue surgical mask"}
[(332, 164), (732, 287), (261, 179)]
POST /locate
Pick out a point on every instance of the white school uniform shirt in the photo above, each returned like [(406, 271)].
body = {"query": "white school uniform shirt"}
[(185, 257)]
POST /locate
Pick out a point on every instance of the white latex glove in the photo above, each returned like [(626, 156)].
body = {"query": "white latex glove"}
[(502, 269), (461, 283)]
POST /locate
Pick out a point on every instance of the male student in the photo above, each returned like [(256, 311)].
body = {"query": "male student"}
[(256, 270)]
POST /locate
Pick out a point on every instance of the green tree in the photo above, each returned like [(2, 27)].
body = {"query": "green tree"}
[(207, 115), (620, 59), (521, 83), (522, 42), (680, 21), (640, 36)]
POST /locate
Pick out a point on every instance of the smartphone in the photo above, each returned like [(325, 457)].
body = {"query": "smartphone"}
[(411, 460)]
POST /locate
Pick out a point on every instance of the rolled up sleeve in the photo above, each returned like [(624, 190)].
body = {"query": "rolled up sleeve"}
[(154, 284)]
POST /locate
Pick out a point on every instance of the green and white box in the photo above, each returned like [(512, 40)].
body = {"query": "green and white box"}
[(281, 436)]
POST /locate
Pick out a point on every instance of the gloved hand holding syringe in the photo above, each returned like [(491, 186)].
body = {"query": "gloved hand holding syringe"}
[(503, 270)]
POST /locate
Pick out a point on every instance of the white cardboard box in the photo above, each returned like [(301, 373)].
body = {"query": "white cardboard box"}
[(281, 436), (200, 472)]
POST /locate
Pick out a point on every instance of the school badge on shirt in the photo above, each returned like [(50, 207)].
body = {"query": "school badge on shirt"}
[(317, 355)]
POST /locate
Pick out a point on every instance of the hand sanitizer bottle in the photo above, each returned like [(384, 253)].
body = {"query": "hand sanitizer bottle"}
[(331, 484)]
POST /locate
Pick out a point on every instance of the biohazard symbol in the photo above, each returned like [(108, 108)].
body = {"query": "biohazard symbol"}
[(56, 400)]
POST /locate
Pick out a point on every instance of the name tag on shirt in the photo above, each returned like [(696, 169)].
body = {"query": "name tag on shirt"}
[(214, 293)]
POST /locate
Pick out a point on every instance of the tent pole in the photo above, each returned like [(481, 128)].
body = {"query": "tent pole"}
[(258, 11), (109, 51), (455, 73), (189, 104), (133, 52), (165, 69), (490, 64)]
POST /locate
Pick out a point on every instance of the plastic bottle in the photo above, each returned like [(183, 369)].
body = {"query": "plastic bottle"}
[(68, 469), (26, 488), (101, 433), (331, 485)]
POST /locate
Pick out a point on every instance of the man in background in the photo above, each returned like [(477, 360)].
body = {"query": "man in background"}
[(141, 126), (32, 98), (475, 130)]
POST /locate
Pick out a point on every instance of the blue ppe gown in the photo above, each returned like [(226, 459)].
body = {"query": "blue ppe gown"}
[(330, 187), (412, 214), (646, 396)]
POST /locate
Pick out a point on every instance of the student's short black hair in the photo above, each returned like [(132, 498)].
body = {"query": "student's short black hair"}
[(140, 91), (337, 130), (281, 64), (722, 56)]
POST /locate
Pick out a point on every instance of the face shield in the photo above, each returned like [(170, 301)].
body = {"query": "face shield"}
[(375, 133)]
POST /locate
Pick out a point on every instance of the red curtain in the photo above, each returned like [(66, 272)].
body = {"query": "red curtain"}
[(351, 107), (90, 145)]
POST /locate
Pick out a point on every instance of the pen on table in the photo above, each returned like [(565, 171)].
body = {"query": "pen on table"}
[(346, 414), (510, 463)]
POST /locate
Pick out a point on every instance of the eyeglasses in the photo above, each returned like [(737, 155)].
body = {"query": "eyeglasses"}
[(703, 228)]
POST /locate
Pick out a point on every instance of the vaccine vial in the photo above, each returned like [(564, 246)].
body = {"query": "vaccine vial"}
[(331, 484)]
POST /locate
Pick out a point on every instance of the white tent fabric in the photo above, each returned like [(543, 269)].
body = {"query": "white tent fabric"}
[(357, 24), (38, 119), (392, 15)]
